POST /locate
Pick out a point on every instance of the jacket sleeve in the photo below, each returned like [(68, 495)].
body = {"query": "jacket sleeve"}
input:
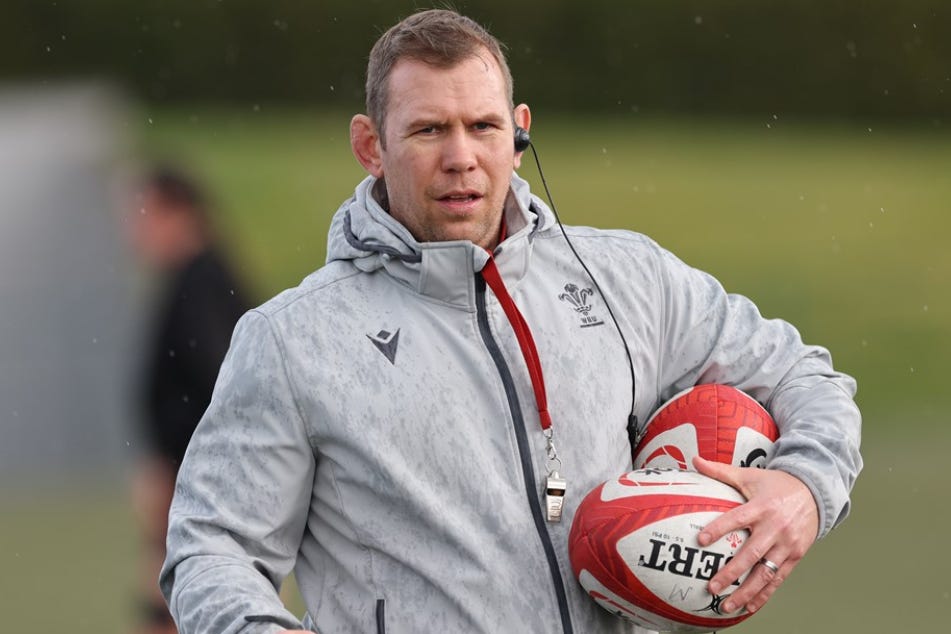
[(242, 496), (711, 336)]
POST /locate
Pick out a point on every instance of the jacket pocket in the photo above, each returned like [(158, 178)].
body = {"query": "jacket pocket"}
[(381, 616)]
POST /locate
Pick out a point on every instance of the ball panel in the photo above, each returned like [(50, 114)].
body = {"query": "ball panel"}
[(709, 421), (752, 448), (673, 568), (667, 448), (660, 484), (617, 605)]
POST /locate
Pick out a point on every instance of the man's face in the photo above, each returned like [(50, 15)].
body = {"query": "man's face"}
[(448, 155)]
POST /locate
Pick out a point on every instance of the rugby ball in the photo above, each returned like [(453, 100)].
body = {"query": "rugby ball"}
[(713, 421), (633, 548)]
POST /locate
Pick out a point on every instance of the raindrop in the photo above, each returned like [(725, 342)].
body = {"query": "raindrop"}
[(925, 308), (256, 107), (870, 129), (883, 210), (864, 343), (698, 19), (150, 120), (914, 25), (48, 49), (95, 339), (775, 117), (331, 87), (912, 370), (871, 225)]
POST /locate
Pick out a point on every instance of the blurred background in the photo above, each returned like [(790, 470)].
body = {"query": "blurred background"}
[(798, 150)]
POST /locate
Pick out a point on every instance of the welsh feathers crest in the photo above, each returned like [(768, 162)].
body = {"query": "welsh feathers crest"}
[(578, 298)]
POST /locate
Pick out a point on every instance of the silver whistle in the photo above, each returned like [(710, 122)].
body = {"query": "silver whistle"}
[(554, 496)]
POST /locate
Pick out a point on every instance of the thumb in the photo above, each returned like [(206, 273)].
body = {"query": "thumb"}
[(725, 473)]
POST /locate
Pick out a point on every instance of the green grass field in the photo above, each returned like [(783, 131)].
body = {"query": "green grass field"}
[(838, 228)]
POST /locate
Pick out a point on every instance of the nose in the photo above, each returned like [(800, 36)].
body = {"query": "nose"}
[(459, 152)]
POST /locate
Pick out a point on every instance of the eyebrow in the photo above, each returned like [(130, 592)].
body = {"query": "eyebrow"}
[(435, 120)]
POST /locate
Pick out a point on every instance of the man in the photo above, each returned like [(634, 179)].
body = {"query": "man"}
[(385, 428), (199, 303)]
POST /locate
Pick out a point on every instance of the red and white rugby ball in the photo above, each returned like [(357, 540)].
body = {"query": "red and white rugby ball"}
[(713, 421), (633, 547)]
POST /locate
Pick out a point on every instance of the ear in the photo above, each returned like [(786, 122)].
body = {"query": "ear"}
[(523, 119), (365, 143)]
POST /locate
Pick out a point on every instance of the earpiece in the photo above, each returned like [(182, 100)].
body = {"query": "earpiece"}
[(522, 140)]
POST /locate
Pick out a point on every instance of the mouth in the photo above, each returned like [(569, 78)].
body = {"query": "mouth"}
[(460, 200), (460, 197)]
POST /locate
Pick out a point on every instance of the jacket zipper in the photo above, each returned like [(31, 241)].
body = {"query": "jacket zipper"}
[(528, 469)]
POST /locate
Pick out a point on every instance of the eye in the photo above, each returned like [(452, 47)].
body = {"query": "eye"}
[(483, 125)]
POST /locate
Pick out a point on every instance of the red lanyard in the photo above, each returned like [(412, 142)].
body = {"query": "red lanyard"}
[(490, 273)]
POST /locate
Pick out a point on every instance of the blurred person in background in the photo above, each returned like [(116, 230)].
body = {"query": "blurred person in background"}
[(383, 429), (195, 311)]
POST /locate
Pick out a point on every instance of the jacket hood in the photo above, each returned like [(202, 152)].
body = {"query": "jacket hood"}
[(365, 234)]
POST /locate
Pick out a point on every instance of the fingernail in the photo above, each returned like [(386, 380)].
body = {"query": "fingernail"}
[(728, 607), (714, 587), (704, 539)]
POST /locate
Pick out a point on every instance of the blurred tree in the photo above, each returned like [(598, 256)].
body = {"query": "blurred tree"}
[(817, 57)]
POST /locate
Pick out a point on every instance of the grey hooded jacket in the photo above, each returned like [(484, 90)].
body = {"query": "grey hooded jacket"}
[(375, 429)]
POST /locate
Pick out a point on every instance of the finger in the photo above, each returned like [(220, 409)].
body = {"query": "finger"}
[(757, 582), (745, 562), (776, 580), (735, 519), (718, 471)]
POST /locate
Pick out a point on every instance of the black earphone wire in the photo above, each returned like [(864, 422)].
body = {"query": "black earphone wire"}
[(632, 422)]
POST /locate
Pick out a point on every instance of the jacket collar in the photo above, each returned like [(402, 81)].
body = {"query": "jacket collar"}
[(365, 234)]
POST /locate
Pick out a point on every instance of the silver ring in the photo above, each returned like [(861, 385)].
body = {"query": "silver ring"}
[(767, 563)]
